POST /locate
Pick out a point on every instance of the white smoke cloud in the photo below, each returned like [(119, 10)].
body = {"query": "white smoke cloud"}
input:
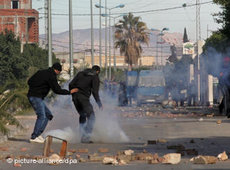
[(65, 124)]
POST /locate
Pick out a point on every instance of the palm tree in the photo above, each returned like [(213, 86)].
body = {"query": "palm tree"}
[(130, 33)]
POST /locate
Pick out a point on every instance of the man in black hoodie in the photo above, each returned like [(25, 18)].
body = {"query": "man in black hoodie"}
[(86, 82), (39, 86)]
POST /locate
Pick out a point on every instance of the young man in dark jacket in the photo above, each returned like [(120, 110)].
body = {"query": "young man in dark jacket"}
[(39, 86), (86, 82)]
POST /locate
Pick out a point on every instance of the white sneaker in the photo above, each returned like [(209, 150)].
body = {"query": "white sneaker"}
[(36, 140), (41, 138)]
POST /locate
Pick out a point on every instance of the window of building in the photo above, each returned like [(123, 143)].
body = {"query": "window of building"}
[(15, 4)]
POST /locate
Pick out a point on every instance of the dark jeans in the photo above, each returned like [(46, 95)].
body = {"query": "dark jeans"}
[(85, 110), (43, 115)]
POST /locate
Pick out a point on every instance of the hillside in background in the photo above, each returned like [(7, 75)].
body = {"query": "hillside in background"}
[(82, 41)]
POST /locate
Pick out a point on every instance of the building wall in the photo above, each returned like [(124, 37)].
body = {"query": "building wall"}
[(23, 22), (23, 4)]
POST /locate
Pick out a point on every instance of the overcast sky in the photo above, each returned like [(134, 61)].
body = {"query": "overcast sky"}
[(174, 19)]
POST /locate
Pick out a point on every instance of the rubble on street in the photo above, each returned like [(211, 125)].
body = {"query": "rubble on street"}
[(150, 149)]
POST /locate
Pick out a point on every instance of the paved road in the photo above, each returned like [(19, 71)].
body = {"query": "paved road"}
[(209, 138)]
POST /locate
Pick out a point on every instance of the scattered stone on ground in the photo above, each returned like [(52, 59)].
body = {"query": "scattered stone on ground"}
[(103, 150), (110, 161), (95, 158), (17, 165), (172, 158), (218, 122), (72, 150), (54, 159), (23, 149), (204, 159), (210, 115), (128, 152), (83, 150), (4, 149), (222, 156)]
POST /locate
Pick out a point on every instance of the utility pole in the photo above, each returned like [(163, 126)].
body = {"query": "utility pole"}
[(198, 37), (198, 30), (106, 69), (100, 51), (49, 33), (92, 35), (46, 23), (157, 52), (110, 44), (70, 40), (114, 55)]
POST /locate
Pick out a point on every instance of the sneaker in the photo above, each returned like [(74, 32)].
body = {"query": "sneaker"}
[(41, 138), (86, 139), (36, 140)]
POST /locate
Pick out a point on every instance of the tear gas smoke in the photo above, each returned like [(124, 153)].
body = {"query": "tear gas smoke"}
[(65, 124)]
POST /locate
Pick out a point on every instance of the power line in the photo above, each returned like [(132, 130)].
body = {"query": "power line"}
[(166, 9), (138, 12)]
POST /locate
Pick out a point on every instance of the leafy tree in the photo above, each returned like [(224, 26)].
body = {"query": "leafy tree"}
[(217, 41), (12, 65), (15, 68), (220, 40), (37, 57), (130, 33), (224, 17), (217, 45)]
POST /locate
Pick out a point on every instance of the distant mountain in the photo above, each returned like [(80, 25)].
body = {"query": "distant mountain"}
[(82, 41)]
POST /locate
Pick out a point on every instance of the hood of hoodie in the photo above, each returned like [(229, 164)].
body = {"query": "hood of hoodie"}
[(89, 72)]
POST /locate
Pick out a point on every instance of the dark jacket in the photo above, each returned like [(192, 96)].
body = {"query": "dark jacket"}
[(41, 83), (87, 82)]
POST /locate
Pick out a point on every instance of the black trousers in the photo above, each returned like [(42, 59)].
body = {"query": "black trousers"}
[(85, 110), (224, 107)]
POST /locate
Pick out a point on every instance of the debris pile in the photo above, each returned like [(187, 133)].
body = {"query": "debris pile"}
[(125, 157), (170, 112)]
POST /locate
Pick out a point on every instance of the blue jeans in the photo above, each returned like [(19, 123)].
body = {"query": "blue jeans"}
[(43, 115)]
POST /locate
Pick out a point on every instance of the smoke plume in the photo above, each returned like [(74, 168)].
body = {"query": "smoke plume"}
[(65, 124)]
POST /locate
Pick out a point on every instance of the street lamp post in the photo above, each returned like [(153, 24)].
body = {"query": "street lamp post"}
[(114, 55), (153, 29), (161, 34), (100, 48), (49, 34), (110, 44), (100, 35), (92, 35), (118, 6), (70, 39), (161, 42)]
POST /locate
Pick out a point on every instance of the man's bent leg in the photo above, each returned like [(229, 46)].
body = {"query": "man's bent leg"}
[(82, 118), (39, 108), (90, 119), (82, 123), (49, 116), (90, 123)]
